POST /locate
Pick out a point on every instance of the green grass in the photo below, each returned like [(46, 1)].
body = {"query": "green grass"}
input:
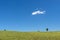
[(10, 35)]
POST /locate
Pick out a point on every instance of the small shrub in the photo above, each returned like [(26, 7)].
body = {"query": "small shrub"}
[(4, 29)]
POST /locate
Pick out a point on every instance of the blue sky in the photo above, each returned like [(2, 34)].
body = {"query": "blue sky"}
[(17, 15)]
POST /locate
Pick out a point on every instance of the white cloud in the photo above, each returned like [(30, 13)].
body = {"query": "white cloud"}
[(38, 12)]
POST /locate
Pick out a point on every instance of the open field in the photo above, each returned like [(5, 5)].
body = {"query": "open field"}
[(10, 35)]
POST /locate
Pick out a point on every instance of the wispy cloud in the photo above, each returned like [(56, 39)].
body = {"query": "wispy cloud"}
[(38, 12)]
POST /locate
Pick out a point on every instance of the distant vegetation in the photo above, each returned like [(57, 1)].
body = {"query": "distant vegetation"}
[(4, 29), (46, 29), (9, 35)]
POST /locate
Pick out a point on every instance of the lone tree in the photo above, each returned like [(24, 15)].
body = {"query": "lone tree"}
[(46, 29)]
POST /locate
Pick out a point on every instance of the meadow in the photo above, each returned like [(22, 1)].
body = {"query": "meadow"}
[(12, 35)]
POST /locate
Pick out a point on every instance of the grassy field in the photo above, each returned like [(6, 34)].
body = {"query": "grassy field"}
[(10, 35)]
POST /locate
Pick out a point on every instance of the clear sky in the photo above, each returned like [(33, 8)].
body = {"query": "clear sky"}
[(17, 15)]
